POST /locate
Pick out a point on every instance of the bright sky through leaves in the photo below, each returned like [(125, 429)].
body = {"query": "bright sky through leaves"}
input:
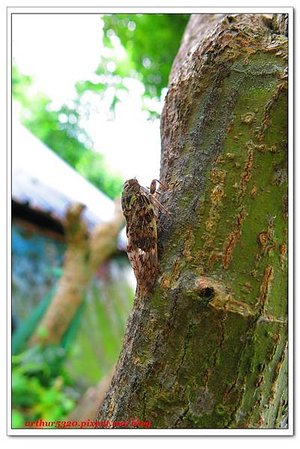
[(59, 50)]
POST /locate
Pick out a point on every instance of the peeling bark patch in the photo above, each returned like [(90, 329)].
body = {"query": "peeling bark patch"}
[(248, 118), (253, 192), (232, 239), (266, 242), (188, 245), (229, 304), (282, 87), (283, 255), (248, 167), (217, 177), (217, 194), (261, 148), (265, 287), (247, 173)]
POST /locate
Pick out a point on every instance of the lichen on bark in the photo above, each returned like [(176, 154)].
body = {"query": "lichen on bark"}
[(208, 347)]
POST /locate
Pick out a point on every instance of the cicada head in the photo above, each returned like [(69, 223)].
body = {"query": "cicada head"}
[(130, 189), (131, 186)]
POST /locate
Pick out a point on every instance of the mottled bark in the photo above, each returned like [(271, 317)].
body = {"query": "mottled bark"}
[(207, 348), (84, 254)]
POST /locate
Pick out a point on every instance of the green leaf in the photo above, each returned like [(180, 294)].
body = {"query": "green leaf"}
[(17, 420)]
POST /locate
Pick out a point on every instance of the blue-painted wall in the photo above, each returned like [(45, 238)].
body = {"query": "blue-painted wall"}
[(36, 266)]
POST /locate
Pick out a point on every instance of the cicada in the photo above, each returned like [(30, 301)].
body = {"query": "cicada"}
[(140, 208)]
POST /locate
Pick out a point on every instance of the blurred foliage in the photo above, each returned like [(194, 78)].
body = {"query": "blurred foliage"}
[(150, 43), (60, 131), (101, 330), (48, 381), (39, 386)]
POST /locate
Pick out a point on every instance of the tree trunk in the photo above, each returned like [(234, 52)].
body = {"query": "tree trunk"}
[(84, 254), (207, 348)]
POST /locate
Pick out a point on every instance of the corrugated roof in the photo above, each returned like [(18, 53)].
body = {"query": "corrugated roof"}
[(45, 182)]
